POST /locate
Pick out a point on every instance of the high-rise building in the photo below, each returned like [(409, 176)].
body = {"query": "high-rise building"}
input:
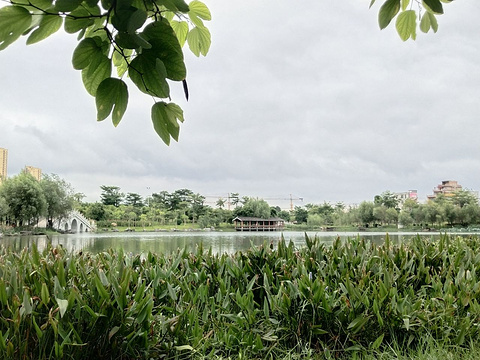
[(35, 172), (3, 164)]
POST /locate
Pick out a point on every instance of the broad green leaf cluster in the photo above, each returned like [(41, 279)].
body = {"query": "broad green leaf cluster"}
[(140, 39), (409, 15), (143, 39)]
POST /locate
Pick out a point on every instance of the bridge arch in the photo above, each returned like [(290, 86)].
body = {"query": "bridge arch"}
[(73, 226), (75, 222)]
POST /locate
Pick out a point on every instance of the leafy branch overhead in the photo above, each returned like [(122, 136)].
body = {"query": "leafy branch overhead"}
[(409, 15), (141, 39)]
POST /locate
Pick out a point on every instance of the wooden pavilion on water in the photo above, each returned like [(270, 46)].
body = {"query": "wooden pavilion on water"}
[(243, 223)]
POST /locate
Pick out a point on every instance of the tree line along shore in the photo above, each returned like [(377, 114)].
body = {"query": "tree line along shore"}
[(24, 200)]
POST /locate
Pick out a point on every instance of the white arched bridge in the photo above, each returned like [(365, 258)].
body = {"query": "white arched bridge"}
[(75, 222)]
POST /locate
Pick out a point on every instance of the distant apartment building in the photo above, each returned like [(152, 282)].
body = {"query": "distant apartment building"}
[(410, 194), (403, 196), (35, 172), (447, 188), (3, 164)]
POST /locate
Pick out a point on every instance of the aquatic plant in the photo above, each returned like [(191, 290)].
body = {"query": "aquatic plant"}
[(352, 297)]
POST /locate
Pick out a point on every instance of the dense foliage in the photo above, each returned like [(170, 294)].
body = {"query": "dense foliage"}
[(351, 297), (189, 209), (460, 208), (183, 206), (140, 38), (24, 200)]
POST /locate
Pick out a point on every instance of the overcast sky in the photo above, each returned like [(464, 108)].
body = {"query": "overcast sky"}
[(309, 99)]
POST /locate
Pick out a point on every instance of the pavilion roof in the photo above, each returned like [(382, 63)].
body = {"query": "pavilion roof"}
[(249, 218)]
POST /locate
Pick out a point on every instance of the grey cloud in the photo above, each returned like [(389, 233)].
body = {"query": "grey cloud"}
[(317, 103)]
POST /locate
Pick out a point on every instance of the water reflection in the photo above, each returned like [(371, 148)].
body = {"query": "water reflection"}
[(220, 242)]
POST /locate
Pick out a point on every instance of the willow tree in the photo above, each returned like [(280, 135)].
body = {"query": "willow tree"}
[(143, 39)]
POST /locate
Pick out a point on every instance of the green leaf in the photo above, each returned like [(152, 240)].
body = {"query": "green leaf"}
[(199, 40), (99, 69), (120, 18), (181, 5), (199, 9), (266, 310), (183, 347), (26, 304), (45, 294), (407, 25), (83, 54), (67, 5), (112, 332), (100, 288), (175, 113), (164, 118), (136, 21), (42, 4), (434, 5), (111, 94), (357, 324), (196, 20), (128, 18), (120, 62), (433, 21), (14, 21), (317, 330), (166, 47), (181, 30), (58, 290), (425, 23), (131, 41), (38, 331), (149, 75), (62, 306), (171, 292), (80, 19), (405, 4), (376, 344), (146, 307), (48, 26), (387, 12), (175, 5)]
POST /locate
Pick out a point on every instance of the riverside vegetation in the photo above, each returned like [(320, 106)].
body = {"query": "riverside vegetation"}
[(350, 299), (24, 200)]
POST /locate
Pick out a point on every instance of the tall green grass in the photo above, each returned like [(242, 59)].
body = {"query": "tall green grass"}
[(350, 299)]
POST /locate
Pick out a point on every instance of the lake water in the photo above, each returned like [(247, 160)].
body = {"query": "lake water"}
[(166, 242)]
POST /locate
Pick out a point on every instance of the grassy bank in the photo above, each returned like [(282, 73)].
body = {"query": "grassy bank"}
[(352, 299)]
